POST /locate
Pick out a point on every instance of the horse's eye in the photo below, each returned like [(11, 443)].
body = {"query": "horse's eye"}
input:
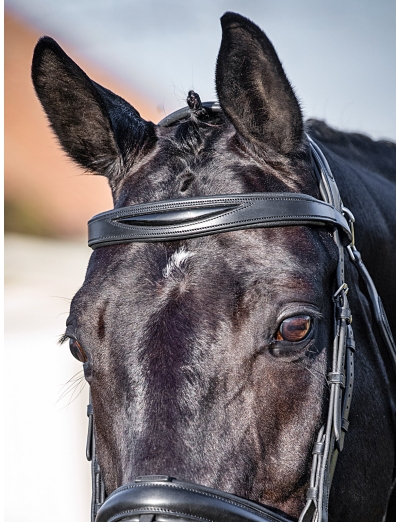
[(77, 350), (294, 329)]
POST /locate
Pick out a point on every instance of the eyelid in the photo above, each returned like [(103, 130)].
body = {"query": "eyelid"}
[(70, 331), (296, 309)]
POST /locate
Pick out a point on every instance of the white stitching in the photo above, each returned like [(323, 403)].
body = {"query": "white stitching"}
[(143, 208)]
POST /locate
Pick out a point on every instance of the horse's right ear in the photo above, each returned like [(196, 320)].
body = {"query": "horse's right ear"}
[(97, 128), (253, 89)]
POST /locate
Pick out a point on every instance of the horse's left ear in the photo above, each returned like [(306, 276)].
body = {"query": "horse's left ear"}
[(96, 128), (253, 89)]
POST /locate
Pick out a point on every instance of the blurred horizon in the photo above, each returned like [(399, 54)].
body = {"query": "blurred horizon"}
[(339, 57)]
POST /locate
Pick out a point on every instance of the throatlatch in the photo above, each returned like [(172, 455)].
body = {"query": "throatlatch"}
[(161, 499)]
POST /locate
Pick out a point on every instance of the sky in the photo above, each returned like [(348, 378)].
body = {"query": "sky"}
[(339, 56)]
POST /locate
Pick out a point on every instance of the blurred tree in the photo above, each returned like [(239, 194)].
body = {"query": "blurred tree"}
[(45, 193)]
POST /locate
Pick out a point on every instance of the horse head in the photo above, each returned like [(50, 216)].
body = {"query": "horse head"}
[(206, 357)]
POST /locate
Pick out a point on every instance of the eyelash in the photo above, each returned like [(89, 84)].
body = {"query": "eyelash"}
[(79, 353), (63, 338)]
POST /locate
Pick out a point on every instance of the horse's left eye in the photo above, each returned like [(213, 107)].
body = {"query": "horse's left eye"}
[(77, 350), (294, 329)]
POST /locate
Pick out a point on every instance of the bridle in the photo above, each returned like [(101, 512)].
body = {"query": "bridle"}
[(163, 498)]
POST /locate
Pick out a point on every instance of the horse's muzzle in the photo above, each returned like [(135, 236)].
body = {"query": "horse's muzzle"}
[(165, 499)]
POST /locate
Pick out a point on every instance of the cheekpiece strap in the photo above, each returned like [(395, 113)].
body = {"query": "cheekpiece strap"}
[(98, 490)]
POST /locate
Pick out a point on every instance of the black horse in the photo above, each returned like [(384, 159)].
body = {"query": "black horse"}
[(207, 357)]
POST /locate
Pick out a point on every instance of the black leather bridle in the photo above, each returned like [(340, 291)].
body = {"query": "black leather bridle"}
[(166, 499)]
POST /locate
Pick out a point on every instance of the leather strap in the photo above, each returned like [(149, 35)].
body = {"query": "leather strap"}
[(98, 489), (186, 113), (166, 499), (193, 217), (376, 302), (331, 436)]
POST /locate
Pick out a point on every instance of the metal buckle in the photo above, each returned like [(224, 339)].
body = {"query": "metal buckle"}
[(343, 288), (351, 220)]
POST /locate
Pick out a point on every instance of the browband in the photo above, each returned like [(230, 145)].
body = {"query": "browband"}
[(193, 217)]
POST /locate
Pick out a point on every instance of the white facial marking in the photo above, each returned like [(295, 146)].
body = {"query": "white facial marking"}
[(177, 262)]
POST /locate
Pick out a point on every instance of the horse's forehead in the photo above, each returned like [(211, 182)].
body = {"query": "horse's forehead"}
[(221, 164), (285, 259)]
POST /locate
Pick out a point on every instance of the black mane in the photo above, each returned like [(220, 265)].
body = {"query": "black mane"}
[(356, 147)]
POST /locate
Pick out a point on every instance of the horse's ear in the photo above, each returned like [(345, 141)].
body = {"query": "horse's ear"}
[(97, 128), (253, 89)]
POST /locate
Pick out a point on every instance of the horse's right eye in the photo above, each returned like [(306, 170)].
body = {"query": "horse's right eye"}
[(77, 350), (294, 329)]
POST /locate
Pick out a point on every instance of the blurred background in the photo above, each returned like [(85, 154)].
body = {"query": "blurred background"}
[(340, 58)]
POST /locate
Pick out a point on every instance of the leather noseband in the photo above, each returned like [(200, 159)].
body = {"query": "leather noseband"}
[(162, 498)]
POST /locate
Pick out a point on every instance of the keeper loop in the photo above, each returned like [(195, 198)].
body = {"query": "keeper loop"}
[(344, 312), (312, 494), (318, 448), (345, 425), (336, 378), (351, 344)]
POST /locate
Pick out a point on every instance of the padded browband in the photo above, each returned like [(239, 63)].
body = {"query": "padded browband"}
[(193, 217), (165, 499)]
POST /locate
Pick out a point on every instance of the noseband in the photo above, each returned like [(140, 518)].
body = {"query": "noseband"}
[(166, 499)]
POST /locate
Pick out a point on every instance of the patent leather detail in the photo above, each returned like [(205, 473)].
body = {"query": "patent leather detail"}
[(166, 498), (193, 217)]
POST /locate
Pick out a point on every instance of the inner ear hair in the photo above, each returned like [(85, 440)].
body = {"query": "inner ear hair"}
[(96, 128), (253, 89)]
